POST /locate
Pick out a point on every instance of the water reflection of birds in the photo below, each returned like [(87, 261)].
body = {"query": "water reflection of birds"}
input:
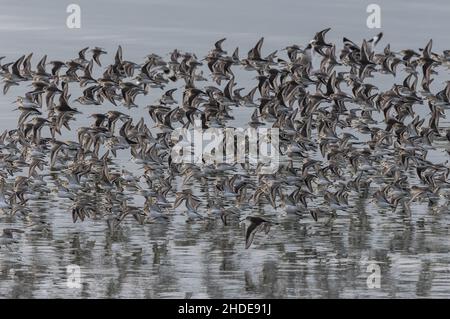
[(7, 237)]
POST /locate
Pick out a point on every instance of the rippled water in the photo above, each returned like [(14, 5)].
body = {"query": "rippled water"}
[(298, 258)]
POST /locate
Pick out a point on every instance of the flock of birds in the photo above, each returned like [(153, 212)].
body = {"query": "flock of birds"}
[(340, 136)]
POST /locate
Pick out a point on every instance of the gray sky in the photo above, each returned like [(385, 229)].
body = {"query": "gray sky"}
[(161, 25)]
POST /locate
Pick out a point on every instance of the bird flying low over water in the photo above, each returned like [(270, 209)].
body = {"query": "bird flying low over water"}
[(256, 224)]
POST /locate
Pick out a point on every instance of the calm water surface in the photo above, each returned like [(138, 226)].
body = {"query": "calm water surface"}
[(298, 258)]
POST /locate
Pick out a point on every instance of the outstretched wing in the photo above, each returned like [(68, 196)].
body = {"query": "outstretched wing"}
[(218, 44), (376, 39), (320, 36), (255, 53)]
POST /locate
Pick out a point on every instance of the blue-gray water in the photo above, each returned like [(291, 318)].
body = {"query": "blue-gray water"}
[(298, 258)]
